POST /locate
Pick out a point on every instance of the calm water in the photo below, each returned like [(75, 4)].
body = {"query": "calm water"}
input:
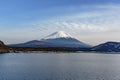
[(69, 66)]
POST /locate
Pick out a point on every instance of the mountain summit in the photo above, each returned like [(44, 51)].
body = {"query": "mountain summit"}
[(59, 34)]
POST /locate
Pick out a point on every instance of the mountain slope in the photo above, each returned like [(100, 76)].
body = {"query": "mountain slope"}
[(33, 43), (108, 47)]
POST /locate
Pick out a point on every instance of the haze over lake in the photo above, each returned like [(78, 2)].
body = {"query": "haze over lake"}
[(67, 66)]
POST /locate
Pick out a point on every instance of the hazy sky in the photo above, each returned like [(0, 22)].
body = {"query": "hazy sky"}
[(90, 21)]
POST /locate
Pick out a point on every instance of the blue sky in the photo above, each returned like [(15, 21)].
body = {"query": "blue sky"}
[(91, 21)]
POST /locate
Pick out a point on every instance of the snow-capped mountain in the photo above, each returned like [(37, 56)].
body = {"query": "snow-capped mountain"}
[(108, 47), (57, 39), (63, 39)]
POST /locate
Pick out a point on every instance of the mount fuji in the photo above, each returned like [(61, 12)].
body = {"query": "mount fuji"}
[(63, 39), (56, 39)]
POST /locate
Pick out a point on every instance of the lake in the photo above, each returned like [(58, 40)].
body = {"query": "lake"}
[(61, 66)]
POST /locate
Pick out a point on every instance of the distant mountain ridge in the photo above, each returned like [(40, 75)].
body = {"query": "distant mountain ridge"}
[(108, 47), (104, 47)]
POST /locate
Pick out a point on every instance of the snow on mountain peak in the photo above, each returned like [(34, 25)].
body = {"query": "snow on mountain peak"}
[(59, 34)]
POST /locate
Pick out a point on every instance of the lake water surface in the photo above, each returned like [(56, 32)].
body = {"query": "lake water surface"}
[(67, 66)]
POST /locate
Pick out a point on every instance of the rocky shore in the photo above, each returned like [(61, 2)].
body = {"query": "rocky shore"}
[(4, 48)]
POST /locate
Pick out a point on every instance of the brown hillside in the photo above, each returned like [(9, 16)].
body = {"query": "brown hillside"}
[(3, 48)]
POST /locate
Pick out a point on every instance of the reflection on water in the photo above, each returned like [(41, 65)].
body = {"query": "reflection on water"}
[(47, 66)]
